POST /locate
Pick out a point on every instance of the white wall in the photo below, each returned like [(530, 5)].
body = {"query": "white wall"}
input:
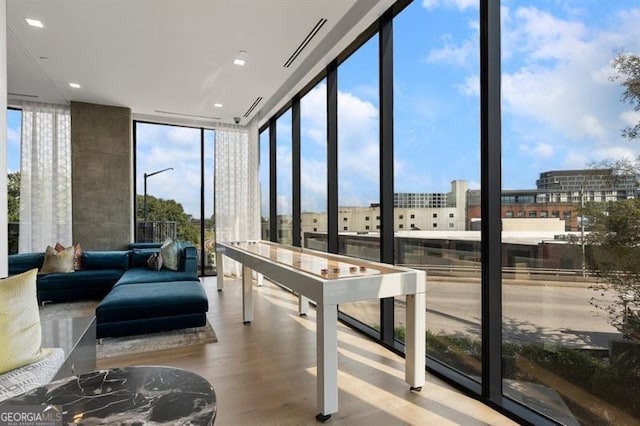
[(4, 250)]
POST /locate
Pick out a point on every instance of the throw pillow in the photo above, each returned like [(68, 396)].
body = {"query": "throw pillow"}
[(77, 254), (57, 261), (170, 251), (155, 261), (19, 321)]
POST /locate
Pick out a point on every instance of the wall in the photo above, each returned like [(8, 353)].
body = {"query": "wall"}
[(3, 139), (101, 181)]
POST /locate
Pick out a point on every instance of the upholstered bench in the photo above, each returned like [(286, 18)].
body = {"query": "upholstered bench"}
[(139, 308)]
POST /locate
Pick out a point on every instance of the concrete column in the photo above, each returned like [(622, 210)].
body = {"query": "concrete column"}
[(102, 192)]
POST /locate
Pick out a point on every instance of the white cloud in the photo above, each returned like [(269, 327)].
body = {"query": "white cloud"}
[(459, 4), (540, 150), (557, 78), (471, 86), (629, 118), (13, 136)]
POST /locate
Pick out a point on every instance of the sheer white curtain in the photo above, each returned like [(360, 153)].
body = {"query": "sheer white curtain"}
[(237, 200), (45, 177)]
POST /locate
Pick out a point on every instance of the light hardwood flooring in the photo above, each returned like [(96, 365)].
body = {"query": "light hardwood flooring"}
[(264, 373)]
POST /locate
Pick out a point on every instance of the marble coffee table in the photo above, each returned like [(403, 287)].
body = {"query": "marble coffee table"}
[(128, 396)]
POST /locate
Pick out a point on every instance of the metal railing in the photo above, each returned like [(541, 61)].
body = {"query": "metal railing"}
[(155, 232)]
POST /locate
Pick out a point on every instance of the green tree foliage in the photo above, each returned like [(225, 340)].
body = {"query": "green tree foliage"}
[(13, 196), (159, 210), (613, 255), (626, 68)]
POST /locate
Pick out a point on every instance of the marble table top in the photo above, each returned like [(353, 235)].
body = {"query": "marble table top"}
[(128, 396)]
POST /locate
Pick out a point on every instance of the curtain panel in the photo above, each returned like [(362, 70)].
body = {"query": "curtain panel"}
[(237, 196), (45, 177)]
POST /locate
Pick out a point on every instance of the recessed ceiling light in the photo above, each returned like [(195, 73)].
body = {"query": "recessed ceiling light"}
[(217, 105), (239, 62), (74, 85), (34, 22)]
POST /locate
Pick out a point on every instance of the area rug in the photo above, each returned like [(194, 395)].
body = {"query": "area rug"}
[(110, 347)]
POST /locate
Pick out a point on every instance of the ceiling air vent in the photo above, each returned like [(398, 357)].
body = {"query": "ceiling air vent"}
[(188, 115), (23, 95), (305, 42), (253, 106)]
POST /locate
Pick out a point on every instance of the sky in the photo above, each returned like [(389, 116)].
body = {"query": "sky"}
[(559, 108)]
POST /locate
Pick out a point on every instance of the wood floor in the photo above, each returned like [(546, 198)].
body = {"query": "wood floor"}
[(264, 373)]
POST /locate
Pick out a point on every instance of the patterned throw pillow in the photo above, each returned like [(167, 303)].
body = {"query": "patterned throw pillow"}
[(19, 321), (77, 254), (57, 261), (155, 261), (170, 251)]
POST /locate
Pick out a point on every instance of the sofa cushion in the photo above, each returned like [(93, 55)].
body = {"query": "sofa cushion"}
[(145, 275), (133, 246), (57, 261), (103, 278), (132, 302), (19, 321), (106, 259), (22, 262)]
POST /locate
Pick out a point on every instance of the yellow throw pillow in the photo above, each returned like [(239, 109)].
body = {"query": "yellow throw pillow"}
[(55, 261), (20, 333)]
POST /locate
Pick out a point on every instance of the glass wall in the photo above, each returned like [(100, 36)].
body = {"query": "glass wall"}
[(437, 163), (359, 166), (263, 176), (562, 300), (570, 292), (14, 131), (168, 199), (313, 167), (284, 189)]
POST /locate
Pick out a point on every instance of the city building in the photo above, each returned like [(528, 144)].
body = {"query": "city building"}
[(559, 194)]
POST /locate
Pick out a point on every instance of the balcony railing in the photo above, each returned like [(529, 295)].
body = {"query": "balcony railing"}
[(155, 232)]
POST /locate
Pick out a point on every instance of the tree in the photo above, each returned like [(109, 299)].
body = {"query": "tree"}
[(13, 197), (613, 256), (626, 68), (160, 210)]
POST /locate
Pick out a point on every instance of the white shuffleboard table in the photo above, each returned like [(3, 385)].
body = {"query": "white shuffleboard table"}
[(329, 280)]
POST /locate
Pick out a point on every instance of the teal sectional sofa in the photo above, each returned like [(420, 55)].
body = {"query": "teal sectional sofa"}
[(135, 299)]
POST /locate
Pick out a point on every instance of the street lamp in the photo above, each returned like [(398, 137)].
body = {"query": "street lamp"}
[(146, 175)]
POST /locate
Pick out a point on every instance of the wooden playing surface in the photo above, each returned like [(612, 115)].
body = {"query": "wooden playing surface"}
[(315, 263)]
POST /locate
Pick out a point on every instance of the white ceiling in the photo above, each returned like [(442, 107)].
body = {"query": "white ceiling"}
[(176, 56)]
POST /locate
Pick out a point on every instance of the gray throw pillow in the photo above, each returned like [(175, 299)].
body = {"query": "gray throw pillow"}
[(170, 252), (155, 261)]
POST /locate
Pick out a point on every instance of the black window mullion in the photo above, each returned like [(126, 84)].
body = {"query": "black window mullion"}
[(385, 58), (273, 204), (490, 143), (202, 183), (295, 170), (332, 157)]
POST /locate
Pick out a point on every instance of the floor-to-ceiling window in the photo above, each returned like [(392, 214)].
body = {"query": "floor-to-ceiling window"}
[(569, 298), (437, 173), (313, 167), (507, 188), (284, 193), (14, 125), (169, 190), (359, 166)]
